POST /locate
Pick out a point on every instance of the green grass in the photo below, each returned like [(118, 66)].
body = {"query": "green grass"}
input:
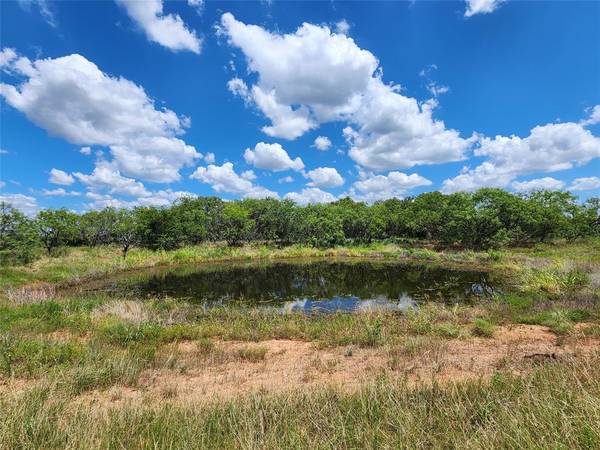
[(557, 406), (252, 354), (483, 328), (66, 346), (77, 264)]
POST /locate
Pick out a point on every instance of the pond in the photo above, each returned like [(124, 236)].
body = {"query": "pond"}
[(309, 286)]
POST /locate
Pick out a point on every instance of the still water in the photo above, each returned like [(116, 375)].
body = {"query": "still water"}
[(309, 286)]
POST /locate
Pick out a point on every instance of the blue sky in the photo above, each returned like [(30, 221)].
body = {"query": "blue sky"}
[(229, 98)]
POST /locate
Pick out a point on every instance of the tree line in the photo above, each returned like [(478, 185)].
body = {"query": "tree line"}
[(488, 218)]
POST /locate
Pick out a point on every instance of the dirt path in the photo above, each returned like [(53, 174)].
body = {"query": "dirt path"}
[(288, 365)]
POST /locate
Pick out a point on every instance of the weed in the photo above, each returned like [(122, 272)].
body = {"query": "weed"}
[(252, 354), (483, 328)]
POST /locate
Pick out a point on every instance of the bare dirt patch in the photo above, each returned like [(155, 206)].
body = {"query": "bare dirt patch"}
[(289, 365)]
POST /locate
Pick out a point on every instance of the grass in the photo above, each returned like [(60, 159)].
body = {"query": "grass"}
[(64, 346), (483, 328), (252, 354), (557, 406), (78, 264)]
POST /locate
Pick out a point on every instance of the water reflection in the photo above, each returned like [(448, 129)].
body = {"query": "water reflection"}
[(308, 286)]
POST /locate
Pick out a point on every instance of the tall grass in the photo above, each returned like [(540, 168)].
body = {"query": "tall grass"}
[(558, 406)]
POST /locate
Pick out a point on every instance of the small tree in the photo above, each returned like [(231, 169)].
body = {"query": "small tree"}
[(237, 224), (56, 227), (126, 231), (96, 227), (18, 237)]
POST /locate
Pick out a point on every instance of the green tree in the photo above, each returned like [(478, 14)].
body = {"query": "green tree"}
[(96, 227), (57, 227), (320, 226), (126, 230), (18, 237), (237, 223)]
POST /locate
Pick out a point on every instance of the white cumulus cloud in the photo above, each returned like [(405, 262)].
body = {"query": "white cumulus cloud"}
[(60, 177), (593, 117), (322, 143), (60, 192), (324, 177), (167, 30), (585, 184), (24, 203), (72, 98), (272, 157), (311, 195), (225, 179), (481, 6), (538, 184), (107, 177), (313, 76), (381, 187), (548, 148)]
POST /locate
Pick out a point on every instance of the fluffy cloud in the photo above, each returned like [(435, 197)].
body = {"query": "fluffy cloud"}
[(585, 184), (381, 187), (539, 184), (322, 143), (288, 179), (481, 6), (272, 157), (342, 27), (314, 76), (73, 99), (248, 175), (107, 177), (324, 177), (593, 117), (225, 179), (60, 177), (85, 151), (548, 148), (166, 30), (158, 198), (60, 192), (24, 203), (310, 195), (198, 5)]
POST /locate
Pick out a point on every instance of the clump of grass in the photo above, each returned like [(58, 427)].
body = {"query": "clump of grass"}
[(123, 334), (554, 407), (109, 370), (372, 335), (483, 328), (554, 282), (20, 356), (26, 295), (126, 310), (252, 354), (560, 321), (205, 346), (450, 330)]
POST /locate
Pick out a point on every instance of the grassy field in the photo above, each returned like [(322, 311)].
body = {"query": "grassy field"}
[(81, 371)]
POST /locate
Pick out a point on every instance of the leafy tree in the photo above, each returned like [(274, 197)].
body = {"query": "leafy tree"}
[(126, 230), (550, 214), (96, 227), (237, 223), (321, 227), (18, 237), (190, 221), (57, 227)]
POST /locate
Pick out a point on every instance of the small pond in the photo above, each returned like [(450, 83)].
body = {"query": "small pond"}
[(309, 286)]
